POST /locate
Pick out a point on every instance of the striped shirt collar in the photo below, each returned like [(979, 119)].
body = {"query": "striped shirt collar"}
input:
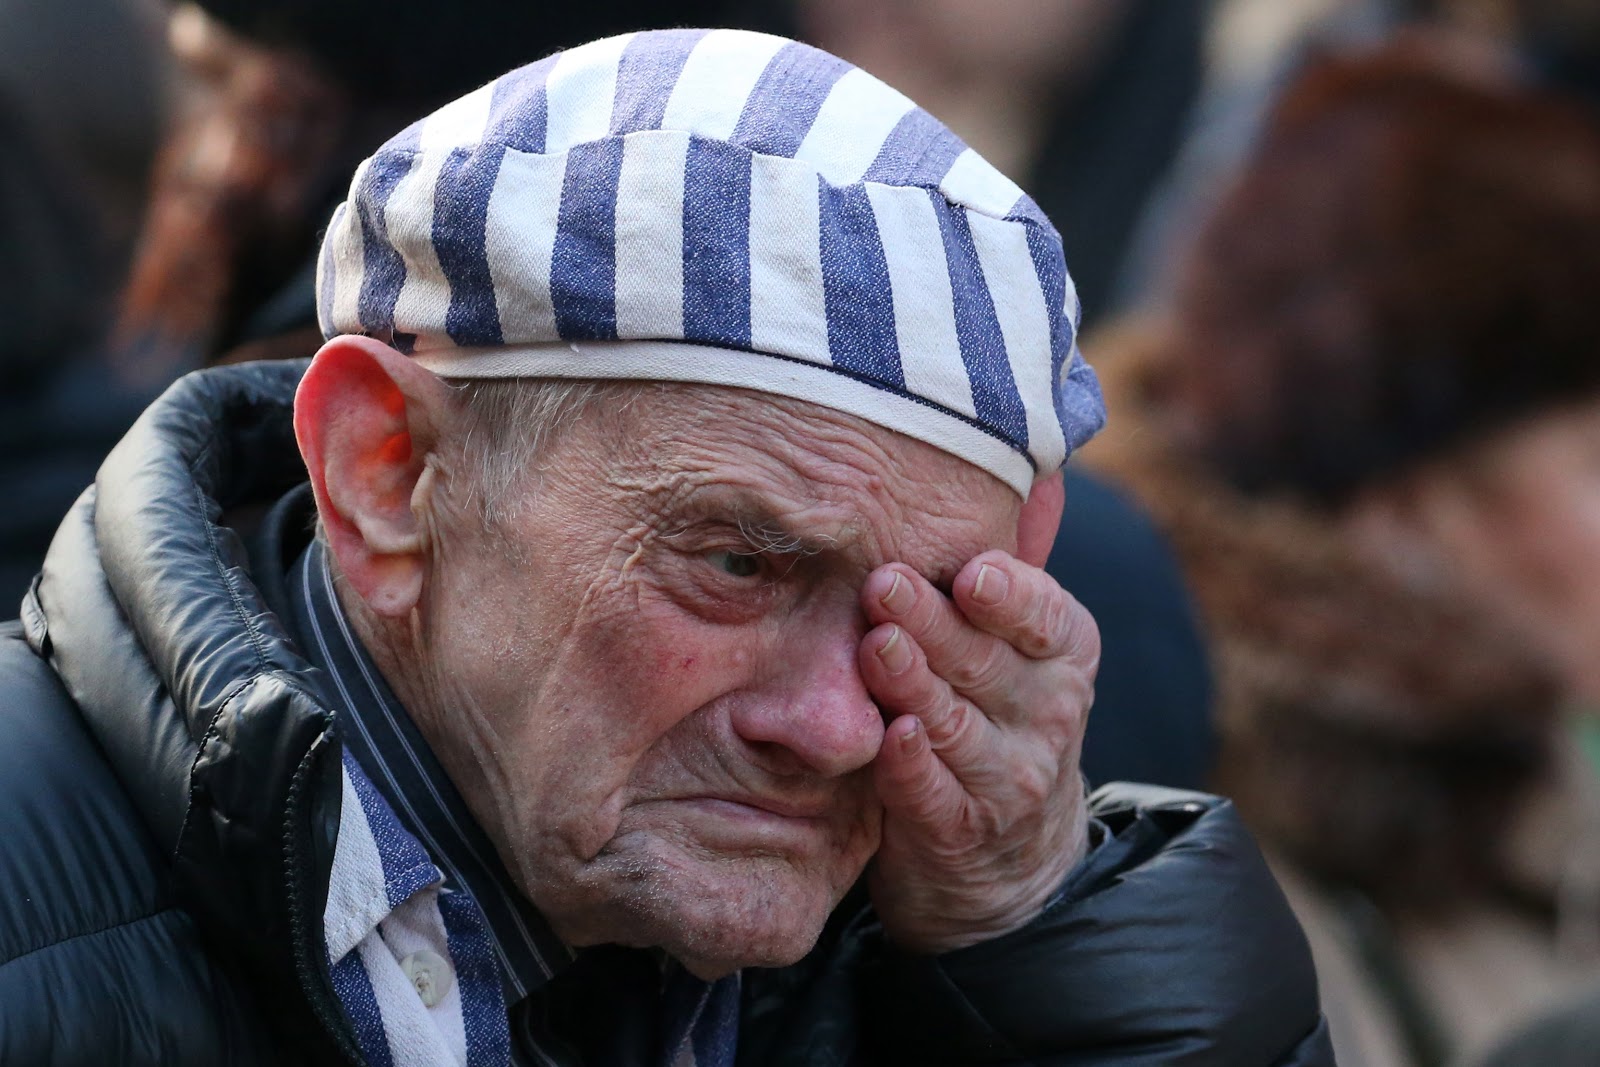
[(388, 745), (413, 964)]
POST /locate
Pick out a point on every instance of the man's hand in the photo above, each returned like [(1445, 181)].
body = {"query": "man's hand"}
[(987, 697)]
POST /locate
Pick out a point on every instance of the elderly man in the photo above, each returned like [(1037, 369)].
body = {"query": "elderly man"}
[(669, 677)]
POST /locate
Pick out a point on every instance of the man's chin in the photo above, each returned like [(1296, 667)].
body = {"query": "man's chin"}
[(714, 914), (711, 946)]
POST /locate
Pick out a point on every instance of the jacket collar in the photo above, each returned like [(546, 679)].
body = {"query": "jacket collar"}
[(212, 719)]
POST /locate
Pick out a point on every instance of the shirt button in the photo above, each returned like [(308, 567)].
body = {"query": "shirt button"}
[(430, 975)]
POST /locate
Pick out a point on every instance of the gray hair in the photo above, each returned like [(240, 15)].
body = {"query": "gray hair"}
[(509, 424)]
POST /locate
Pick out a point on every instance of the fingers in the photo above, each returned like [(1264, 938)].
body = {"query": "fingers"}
[(933, 735), (977, 664), (987, 692), (913, 783), (1027, 609), (1003, 610), (900, 679), (1012, 642)]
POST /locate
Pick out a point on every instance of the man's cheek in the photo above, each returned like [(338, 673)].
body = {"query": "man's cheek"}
[(670, 662)]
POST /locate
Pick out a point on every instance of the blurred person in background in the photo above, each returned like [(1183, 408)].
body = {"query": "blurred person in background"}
[(1254, 48), (1372, 427), (89, 82)]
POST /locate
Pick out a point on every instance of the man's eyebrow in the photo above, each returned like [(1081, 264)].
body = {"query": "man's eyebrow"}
[(770, 535), (761, 525)]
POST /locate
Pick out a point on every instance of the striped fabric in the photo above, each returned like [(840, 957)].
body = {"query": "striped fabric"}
[(412, 963), (700, 1020), (723, 207)]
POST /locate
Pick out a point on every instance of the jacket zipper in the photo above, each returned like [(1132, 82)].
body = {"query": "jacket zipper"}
[(323, 1004)]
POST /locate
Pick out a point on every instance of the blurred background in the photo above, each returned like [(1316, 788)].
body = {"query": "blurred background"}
[(1338, 262)]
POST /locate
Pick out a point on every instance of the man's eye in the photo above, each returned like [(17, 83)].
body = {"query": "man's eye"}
[(737, 564)]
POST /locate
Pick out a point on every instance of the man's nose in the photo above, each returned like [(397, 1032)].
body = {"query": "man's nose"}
[(815, 710)]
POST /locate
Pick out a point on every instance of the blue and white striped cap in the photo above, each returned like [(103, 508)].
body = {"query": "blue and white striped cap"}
[(729, 208)]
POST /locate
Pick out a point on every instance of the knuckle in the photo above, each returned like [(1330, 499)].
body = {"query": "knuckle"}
[(1062, 718), (928, 800), (1081, 640), (1006, 827), (981, 670), (1040, 624), (921, 793), (952, 724), (1035, 785), (1040, 634), (1027, 806), (987, 825)]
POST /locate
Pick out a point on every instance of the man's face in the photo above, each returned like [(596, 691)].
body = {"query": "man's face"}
[(1517, 517), (648, 677)]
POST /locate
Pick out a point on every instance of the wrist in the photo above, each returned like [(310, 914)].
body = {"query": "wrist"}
[(968, 920)]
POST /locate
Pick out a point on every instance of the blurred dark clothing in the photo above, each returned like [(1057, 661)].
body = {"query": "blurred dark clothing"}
[(1562, 40), (54, 272), (89, 78), (61, 410), (1115, 138), (54, 432), (1152, 709), (425, 52), (1568, 69), (172, 778)]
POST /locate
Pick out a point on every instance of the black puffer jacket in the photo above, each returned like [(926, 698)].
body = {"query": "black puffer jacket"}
[(170, 783)]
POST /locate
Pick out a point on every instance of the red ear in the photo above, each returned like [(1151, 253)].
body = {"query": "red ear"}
[(1040, 519), (364, 417)]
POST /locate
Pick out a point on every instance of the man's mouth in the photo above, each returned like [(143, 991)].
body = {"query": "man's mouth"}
[(783, 807), (738, 819)]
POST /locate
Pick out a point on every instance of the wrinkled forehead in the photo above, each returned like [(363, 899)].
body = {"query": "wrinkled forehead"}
[(796, 471)]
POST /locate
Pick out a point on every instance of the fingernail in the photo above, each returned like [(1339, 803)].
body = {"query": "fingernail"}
[(991, 586), (899, 597), (894, 654), (911, 740)]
